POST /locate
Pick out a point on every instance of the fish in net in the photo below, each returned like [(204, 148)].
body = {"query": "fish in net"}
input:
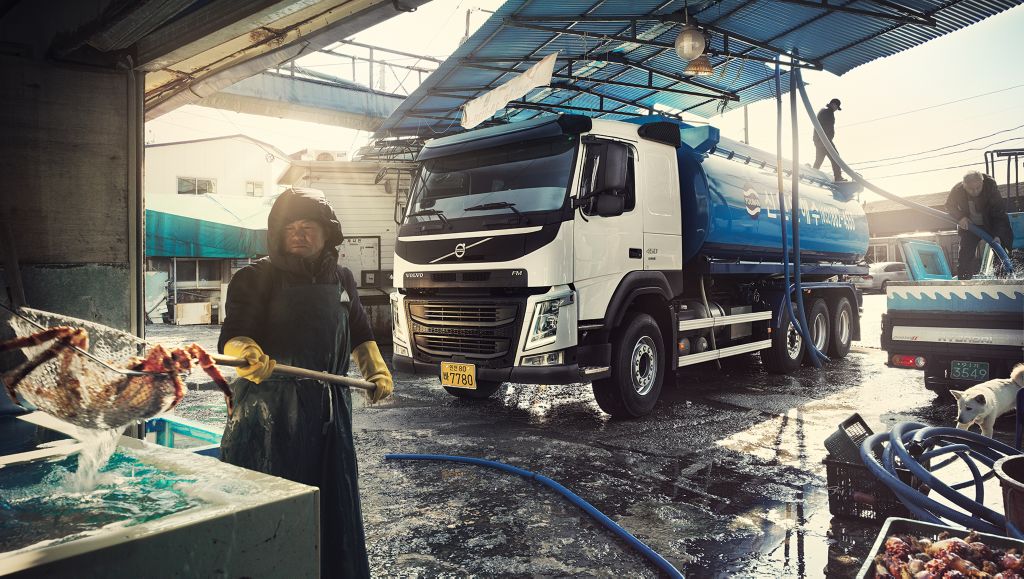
[(94, 376)]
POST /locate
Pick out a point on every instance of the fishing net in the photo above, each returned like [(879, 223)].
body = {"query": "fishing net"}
[(92, 387)]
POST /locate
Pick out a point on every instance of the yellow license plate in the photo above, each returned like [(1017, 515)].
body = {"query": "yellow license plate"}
[(456, 375)]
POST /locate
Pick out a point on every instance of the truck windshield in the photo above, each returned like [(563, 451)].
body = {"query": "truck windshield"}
[(512, 180)]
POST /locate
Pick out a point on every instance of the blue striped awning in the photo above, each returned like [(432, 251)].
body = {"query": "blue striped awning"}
[(616, 57)]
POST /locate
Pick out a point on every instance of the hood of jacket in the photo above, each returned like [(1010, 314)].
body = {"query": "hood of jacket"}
[(294, 204)]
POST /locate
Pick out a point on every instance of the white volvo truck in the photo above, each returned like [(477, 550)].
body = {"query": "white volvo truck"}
[(571, 250)]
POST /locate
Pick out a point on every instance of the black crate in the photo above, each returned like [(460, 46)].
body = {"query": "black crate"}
[(844, 443), (853, 491), (902, 526)]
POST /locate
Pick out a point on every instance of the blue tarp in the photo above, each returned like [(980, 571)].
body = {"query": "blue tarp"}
[(206, 226)]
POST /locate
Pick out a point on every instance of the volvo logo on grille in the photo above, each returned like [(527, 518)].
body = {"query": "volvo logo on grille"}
[(460, 250)]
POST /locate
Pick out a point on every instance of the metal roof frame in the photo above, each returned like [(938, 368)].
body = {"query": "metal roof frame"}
[(617, 58)]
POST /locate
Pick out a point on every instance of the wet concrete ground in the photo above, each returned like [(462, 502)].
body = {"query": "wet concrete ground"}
[(724, 478)]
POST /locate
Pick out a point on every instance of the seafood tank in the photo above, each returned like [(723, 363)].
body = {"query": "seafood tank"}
[(146, 510)]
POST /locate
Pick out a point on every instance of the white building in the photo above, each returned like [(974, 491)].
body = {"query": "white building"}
[(234, 165), (221, 181)]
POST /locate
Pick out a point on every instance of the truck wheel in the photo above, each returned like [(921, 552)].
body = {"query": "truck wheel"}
[(484, 389), (842, 329), (787, 348), (638, 370), (821, 325)]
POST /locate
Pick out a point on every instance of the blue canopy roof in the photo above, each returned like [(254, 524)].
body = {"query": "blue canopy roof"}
[(617, 61), (221, 226)]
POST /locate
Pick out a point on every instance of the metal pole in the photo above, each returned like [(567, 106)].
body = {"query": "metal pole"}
[(746, 127), (371, 69)]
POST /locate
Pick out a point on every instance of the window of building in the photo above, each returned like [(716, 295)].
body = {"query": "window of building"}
[(185, 271), (254, 188), (209, 271), (198, 273), (196, 186)]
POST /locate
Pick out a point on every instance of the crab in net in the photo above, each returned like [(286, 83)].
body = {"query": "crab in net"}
[(65, 381)]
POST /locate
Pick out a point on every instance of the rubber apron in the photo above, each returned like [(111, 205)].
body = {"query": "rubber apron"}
[(300, 429)]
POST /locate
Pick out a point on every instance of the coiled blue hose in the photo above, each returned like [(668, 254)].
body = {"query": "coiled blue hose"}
[(575, 499), (915, 445)]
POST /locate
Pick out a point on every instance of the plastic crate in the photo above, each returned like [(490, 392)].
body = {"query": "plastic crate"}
[(853, 491), (844, 443), (903, 526)]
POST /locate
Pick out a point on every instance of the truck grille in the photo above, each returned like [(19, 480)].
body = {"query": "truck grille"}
[(485, 348), (456, 314), (483, 332)]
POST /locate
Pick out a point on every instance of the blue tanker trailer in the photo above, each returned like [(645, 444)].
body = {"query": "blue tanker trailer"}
[(571, 250)]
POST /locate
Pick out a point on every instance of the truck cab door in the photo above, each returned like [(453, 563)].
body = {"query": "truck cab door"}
[(608, 227)]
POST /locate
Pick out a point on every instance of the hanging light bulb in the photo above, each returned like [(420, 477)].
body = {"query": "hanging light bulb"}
[(690, 42), (699, 66)]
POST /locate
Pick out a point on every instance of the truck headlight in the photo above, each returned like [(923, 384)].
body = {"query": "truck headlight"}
[(544, 325), (396, 319)]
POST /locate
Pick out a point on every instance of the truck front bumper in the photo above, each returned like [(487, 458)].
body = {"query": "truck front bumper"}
[(562, 374)]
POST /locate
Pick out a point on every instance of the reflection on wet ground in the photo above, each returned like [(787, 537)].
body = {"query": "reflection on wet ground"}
[(724, 478)]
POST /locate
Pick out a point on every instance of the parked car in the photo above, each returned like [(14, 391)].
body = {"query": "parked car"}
[(880, 274)]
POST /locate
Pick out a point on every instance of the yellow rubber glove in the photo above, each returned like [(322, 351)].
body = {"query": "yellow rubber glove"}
[(371, 365), (260, 367)]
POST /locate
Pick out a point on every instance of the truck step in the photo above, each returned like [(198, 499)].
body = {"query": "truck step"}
[(708, 356), (723, 321)]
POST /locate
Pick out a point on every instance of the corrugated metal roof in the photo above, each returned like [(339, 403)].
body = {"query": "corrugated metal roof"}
[(615, 68)]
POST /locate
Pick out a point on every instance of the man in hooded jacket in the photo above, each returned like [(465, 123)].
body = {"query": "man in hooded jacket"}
[(299, 307), (976, 199)]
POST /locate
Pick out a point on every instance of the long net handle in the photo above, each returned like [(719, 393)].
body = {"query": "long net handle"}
[(299, 372)]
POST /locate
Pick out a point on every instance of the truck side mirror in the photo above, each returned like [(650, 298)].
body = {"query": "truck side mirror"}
[(611, 174), (609, 205)]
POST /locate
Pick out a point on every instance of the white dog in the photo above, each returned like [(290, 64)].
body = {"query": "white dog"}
[(982, 403)]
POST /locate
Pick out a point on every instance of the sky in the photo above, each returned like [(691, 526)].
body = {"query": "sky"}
[(957, 88)]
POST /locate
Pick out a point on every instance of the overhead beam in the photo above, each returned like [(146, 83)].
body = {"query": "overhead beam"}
[(672, 19), (618, 58), (518, 23), (905, 18), (595, 80), (387, 50)]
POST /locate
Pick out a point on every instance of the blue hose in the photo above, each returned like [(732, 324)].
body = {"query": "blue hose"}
[(799, 323), (914, 444), (575, 499)]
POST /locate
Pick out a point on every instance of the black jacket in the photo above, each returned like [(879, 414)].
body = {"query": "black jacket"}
[(253, 286), (827, 120), (990, 204)]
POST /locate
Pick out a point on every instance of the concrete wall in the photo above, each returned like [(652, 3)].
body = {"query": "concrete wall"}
[(68, 156), (231, 161)]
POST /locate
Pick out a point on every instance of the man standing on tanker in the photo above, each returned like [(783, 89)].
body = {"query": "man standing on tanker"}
[(827, 120), (976, 199), (299, 307)]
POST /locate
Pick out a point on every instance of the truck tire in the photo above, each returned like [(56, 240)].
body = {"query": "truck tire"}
[(820, 322), (842, 329), (484, 389), (787, 349), (638, 369)]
